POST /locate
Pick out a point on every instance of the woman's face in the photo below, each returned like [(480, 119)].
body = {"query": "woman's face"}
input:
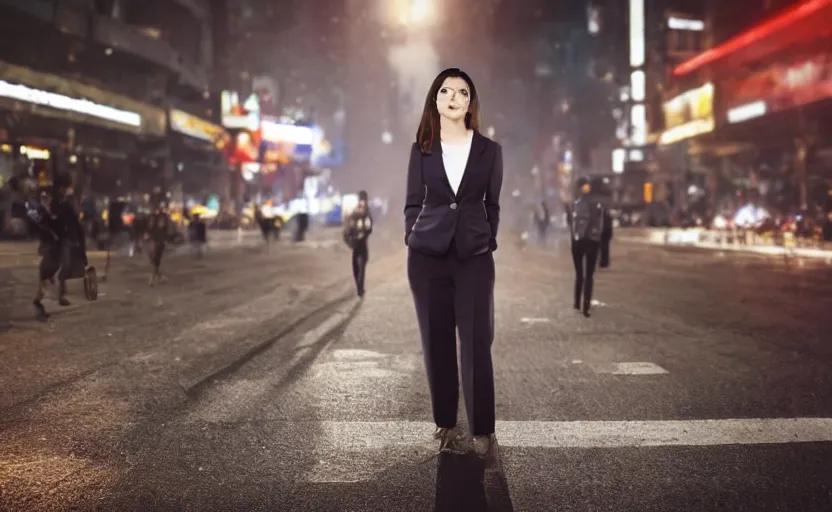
[(453, 98)]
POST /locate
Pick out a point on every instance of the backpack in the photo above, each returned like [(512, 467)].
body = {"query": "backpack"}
[(587, 219)]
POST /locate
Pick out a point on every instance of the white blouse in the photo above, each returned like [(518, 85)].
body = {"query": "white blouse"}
[(455, 158)]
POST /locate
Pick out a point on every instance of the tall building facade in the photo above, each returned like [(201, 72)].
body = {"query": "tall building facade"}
[(748, 112), (286, 63), (118, 93)]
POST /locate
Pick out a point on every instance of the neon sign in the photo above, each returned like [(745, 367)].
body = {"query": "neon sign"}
[(782, 86), (780, 22)]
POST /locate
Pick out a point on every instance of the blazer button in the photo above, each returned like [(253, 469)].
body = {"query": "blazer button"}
[(453, 206)]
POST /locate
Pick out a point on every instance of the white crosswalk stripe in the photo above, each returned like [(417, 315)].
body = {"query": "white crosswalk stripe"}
[(348, 450)]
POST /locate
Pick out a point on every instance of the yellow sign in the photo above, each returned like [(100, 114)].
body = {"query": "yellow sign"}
[(689, 114), (43, 179), (197, 128)]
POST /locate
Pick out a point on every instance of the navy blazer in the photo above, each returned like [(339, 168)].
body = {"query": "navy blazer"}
[(437, 219)]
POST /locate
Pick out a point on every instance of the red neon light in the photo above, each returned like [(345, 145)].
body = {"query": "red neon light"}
[(753, 35)]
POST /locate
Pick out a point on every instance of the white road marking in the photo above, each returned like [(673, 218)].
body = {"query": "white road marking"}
[(350, 451), (531, 320), (598, 303), (640, 368)]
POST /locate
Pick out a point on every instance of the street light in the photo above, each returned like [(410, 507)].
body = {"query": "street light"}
[(412, 12)]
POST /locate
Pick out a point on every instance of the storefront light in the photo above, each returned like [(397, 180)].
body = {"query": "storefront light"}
[(277, 132), (61, 102), (685, 24), (35, 153), (687, 130), (195, 127), (747, 111)]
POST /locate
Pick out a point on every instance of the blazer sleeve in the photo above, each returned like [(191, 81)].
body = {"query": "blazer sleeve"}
[(415, 194), (492, 196)]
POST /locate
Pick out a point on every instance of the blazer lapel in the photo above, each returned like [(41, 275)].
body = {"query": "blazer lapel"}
[(439, 164), (477, 147)]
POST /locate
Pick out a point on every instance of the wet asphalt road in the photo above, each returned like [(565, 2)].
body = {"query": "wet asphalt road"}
[(132, 403)]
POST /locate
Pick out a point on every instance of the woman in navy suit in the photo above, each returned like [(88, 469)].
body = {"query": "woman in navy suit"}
[(452, 212)]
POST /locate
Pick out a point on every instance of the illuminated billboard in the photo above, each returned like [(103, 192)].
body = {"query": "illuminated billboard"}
[(187, 124), (238, 114), (689, 114)]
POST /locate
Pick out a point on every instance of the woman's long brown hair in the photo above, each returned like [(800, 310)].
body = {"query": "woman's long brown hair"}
[(429, 126)]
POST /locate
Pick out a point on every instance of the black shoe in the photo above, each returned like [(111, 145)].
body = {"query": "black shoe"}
[(586, 309), (361, 293), (64, 302), (40, 311)]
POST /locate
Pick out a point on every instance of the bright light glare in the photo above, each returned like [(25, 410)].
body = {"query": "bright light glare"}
[(638, 122), (619, 156), (637, 33), (415, 11), (687, 130), (685, 24), (746, 112), (638, 83)]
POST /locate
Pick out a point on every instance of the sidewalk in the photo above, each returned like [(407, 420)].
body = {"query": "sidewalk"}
[(23, 253), (215, 237), (721, 241)]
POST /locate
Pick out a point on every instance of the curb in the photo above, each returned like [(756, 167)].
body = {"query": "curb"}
[(691, 239)]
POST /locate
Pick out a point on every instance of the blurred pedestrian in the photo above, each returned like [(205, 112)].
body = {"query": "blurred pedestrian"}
[(198, 235), (587, 227), (452, 212), (542, 221), (357, 230), (62, 240), (42, 221), (155, 238), (74, 240), (266, 225)]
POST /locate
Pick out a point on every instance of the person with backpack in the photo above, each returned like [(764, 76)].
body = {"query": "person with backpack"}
[(587, 229), (357, 230), (62, 242)]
